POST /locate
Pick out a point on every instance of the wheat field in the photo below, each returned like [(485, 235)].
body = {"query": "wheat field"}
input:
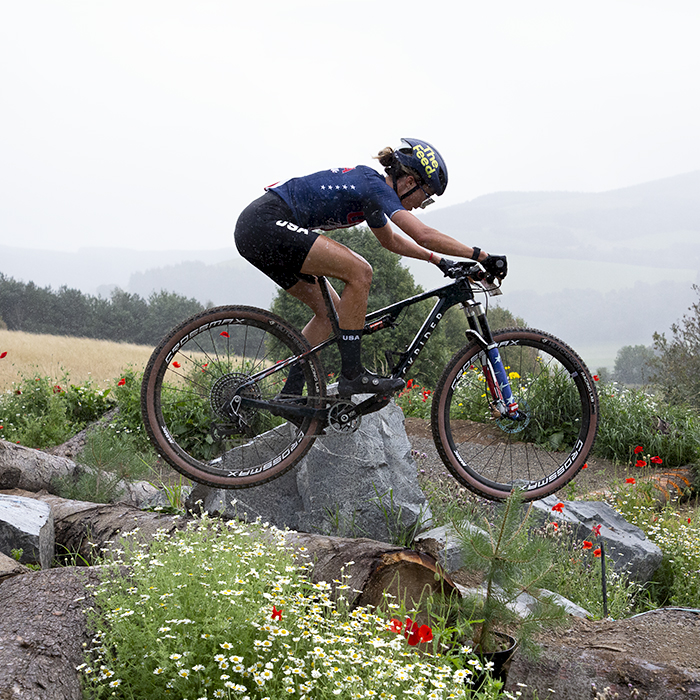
[(56, 356)]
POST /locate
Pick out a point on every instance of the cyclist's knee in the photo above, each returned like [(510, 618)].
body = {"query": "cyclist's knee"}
[(362, 274)]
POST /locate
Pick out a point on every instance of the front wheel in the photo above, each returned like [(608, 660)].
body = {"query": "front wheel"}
[(204, 396), (541, 449)]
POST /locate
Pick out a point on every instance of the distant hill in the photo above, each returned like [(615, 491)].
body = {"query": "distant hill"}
[(601, 270), (655, 222)]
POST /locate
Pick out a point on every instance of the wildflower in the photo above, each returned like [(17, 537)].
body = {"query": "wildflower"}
[(176, 364), (415, 634), (638, 449), (596, 552), (158, 671), (57, 389), (585, 466), (559, 507), (121, 382), (276, 614), (596, 530), (395, 625), (657, 460), (3, 354), (641, 463), (224, 334), (596, 378), (631, 480), (587, 544)]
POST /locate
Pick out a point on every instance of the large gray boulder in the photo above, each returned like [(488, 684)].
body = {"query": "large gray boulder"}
[(27, 525), (627, 545), (361, 484)]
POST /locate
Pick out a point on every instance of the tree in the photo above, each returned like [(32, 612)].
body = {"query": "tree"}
[(634, 365), (676, 367)]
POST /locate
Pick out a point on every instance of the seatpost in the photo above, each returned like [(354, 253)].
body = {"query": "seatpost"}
[(330, 306)]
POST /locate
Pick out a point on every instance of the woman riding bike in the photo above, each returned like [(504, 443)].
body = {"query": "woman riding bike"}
[(277, 233)]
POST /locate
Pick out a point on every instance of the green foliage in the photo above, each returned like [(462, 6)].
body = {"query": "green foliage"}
[(677, 533), (123, 317), (40, 413), (677, 364), (577, 577), (415, 400), (634, 365), (512, 562), (635, 417), (221, 610), (110, 456)]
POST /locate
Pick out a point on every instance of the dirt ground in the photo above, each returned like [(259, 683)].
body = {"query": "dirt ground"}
[(655, 655)]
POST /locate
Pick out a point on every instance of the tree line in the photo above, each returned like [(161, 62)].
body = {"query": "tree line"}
[(122, 317)]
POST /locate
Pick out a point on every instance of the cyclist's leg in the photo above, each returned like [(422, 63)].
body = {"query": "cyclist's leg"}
[(328, 257)]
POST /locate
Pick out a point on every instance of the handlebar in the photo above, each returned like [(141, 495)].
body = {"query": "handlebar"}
[(474, 272)]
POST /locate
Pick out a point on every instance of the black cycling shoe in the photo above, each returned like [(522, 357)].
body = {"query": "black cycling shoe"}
[(368, 383)]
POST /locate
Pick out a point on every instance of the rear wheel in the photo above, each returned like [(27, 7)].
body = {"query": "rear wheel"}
[(541, 451), (195, 386)]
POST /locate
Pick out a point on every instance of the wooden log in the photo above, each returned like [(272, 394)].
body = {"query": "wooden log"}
[(42, 630), (83, 529)]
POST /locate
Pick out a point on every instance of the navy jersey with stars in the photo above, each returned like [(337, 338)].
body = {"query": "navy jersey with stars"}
[(339, 197)]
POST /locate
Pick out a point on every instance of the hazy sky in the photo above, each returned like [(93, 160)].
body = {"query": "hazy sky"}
[(151, 124)]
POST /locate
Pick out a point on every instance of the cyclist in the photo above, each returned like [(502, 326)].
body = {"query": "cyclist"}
[(278, 233)]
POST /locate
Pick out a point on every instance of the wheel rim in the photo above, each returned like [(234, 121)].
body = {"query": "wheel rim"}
[(538, 454), (195, 378)]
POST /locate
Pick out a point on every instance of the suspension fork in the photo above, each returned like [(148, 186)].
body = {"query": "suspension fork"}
[(504, 402)]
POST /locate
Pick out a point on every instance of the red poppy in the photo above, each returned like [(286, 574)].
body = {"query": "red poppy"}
[(121, 382), (688, 518), (587, 544), (559, 507), (204, 366), (554, 525), (596, 378), (1, 427), (18, 392), (276, 614), (631, 480), (409, 383), (585, 466), (225, 334), (176, 364), (596, 530), (641, 463), (657, 460), (395, 625), (415, 634), (638, 449), (596, 552), (57, 389), (3, 354)]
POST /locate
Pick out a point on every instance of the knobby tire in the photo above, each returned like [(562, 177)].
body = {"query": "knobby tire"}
[(189, 383), (544, 450)]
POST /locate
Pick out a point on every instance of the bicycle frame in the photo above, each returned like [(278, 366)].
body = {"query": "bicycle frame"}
[(459, 291)]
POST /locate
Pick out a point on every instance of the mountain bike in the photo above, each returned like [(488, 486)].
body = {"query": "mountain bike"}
[(513, 408)]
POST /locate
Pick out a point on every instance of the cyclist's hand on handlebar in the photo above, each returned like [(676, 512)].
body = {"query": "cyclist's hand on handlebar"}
[(496, 265), (447, 267)]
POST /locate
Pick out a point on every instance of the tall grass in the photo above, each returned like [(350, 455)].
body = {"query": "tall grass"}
[(55, 356)]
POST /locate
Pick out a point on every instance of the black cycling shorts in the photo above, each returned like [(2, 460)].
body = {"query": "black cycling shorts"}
[(267, 237)]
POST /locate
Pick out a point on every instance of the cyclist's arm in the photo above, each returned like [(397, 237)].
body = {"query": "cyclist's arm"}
[(401, 245), (431, 238)]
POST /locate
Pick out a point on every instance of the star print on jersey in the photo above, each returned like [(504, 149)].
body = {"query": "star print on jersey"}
[(340, 197)]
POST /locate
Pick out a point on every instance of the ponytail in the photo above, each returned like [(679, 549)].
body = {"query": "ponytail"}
[(387, 158)]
